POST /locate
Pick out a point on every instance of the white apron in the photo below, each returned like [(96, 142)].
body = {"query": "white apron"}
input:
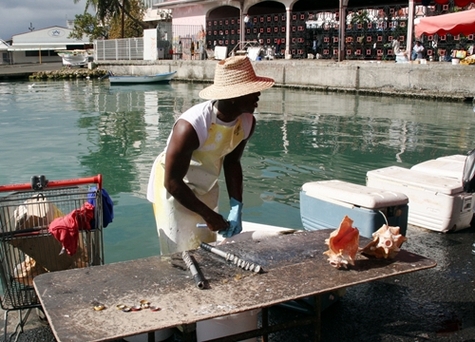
[(176, 225)]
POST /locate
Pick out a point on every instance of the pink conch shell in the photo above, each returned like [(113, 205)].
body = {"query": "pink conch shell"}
[(386, 243), (343, 243)]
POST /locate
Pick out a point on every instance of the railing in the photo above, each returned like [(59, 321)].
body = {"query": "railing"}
[(178, 42), (118, 49)]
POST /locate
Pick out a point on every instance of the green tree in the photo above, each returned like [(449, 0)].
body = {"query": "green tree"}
[(113, 10), (128, 27), (87, 24)]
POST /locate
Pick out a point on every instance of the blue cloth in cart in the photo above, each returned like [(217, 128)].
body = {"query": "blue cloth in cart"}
[(107, 206)]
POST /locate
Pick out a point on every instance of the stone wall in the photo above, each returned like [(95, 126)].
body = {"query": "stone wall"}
[(438, 80)]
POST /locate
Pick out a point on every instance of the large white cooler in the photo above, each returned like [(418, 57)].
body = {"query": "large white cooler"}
[(324, 204), (448, 166), (435, 202)]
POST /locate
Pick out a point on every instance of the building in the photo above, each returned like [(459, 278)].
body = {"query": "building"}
[(336, 29), (40, 46), (5, 59)]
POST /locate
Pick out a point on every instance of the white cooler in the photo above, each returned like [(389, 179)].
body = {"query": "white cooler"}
[(448, 166), (324, 204), (435, 202)]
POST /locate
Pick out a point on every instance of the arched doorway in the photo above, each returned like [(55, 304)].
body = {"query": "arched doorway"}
[(266, 24)]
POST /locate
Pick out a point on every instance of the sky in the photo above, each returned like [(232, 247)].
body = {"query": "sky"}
[(16, 15)]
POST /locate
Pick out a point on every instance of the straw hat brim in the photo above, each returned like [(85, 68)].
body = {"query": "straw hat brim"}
[(220, 92)]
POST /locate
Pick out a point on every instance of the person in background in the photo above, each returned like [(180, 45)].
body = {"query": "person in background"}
[(247, 21), (208, 137), (278, 47), (417, 51), (315, 45), (192, 50)]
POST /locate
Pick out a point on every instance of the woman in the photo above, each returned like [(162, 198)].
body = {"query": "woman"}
[(208, 137)]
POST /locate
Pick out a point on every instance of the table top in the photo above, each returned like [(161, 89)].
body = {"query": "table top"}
[(294, 267)]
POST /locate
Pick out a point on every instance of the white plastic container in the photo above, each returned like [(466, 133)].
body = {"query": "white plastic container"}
[(324, 204), (449, 166), (435, 202), (227, 325)]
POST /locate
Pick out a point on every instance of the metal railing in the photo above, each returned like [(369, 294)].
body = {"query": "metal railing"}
[(118, 49), (179, 41)]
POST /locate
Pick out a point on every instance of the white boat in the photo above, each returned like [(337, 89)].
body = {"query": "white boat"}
[(75, 57), (157, 78)]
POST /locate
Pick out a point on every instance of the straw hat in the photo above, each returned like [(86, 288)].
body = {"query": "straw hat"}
[(235, 77)]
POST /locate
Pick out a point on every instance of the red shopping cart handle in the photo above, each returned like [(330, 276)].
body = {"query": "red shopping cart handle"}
[(56, 184)]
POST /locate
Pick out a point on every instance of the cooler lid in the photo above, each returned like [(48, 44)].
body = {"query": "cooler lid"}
[(354, 194), (456, 157), (444, 167), (417, 179)]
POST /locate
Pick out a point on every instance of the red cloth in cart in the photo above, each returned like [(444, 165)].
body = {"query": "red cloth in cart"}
[(66, 228)]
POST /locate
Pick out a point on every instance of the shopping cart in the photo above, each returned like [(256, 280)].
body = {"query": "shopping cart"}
[(27, 249)]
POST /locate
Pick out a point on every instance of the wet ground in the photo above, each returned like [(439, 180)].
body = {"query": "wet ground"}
[(437, 304)]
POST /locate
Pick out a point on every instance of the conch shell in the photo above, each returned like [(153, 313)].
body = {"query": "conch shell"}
[(386, 243), (344, 244)]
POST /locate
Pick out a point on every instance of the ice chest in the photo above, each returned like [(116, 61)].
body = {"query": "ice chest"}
[(324, 204), (435, 202), (448, 166)]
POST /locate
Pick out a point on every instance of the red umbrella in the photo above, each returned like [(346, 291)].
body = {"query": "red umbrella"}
[(452, 23), (459, 3)]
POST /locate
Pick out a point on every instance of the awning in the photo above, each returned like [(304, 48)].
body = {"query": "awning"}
[(37, 47), (452, 23), (459, 3)]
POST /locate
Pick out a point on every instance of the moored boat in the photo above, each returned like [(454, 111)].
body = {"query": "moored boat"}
[(75, 57), (130, 79)]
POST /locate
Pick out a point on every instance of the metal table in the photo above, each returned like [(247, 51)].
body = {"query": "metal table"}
[(294, 268)]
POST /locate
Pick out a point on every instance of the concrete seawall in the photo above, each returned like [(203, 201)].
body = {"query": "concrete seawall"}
[(436, 80)]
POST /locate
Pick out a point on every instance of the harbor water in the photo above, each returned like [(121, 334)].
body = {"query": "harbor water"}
[(71, 129)]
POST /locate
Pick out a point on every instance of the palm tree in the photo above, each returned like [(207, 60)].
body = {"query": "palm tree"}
[(112, 9)]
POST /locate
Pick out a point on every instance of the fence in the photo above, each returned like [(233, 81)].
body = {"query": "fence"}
[(118, 49), (176, 44)]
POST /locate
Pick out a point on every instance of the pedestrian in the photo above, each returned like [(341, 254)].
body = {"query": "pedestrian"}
[(208, 137), (277, 47), (247, 21), (417, 50), (315, 45), (192, 50)]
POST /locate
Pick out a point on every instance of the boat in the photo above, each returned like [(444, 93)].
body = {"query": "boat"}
[(130, 79), (75, 57)]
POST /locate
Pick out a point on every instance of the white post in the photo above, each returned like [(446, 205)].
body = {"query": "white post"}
[(242, 36), (410, 28), (287, 34)]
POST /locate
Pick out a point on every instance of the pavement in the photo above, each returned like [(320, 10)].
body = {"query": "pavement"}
[(437, 304), (8, 71)]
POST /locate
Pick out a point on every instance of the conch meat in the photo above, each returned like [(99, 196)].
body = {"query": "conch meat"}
[(386, 243), (343, 244)]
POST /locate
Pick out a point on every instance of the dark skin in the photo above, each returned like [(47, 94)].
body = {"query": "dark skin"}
[(184, 141)]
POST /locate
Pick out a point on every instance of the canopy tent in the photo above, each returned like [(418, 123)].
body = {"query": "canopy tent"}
[(452, 23)]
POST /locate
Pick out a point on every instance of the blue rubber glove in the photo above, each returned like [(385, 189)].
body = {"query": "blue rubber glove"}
[(234, 219)]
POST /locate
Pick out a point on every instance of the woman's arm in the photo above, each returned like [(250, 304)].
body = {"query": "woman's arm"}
[(183, 142)]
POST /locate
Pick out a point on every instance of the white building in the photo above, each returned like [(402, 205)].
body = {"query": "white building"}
[(4, 55), (39, 46)]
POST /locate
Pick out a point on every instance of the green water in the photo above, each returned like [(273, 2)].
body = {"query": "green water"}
[(70, 129)]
